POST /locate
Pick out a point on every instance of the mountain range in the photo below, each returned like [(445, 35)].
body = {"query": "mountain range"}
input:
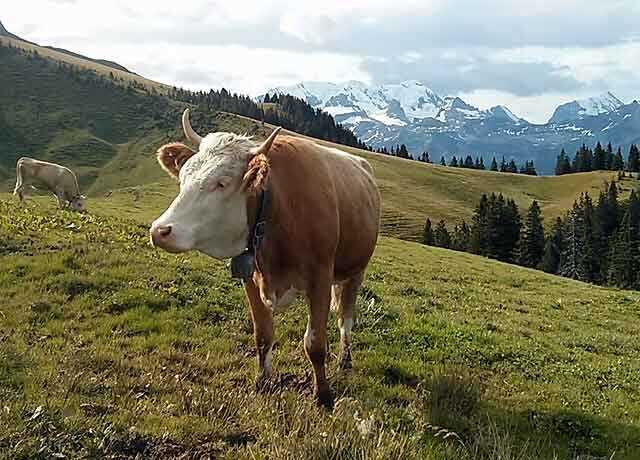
[(411, 113)]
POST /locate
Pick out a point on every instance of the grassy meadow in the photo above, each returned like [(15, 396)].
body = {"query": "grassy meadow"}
[(111, 349)]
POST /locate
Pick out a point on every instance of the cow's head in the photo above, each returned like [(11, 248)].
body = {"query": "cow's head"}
[(78, 203), (210, 212)]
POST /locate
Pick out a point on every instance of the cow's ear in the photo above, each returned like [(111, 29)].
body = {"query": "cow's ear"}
[(255, 179), (172, 156)]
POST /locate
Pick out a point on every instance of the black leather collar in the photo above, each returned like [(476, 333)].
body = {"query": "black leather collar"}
[(243, 265)]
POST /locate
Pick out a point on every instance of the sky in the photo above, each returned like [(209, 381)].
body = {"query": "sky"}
[(530, 56)]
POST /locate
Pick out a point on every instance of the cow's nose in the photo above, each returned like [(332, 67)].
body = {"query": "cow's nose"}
[(160, 235)]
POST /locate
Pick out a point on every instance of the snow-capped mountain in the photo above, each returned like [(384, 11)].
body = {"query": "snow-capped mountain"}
[(591, 107), (402, 104), (410, 113)]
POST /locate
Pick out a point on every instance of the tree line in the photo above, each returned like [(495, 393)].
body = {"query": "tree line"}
[(594, 242), (290, 112), (598, 159), (469, 162)]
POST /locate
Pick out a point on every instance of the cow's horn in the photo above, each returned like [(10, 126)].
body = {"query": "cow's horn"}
[(188, 130), (266, 145)]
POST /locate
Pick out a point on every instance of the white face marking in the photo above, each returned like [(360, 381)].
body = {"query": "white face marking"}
[(345, 330), (209, 214), (309, 335)]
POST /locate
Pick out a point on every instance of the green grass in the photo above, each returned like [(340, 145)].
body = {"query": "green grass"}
[(109, 347)]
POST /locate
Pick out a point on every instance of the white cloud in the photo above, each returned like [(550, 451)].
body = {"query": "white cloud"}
[(529, 55), (237, 68)]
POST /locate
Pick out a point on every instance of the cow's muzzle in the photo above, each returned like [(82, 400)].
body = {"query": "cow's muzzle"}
[(163, 236)]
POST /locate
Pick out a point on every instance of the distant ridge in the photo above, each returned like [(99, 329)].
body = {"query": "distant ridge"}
[(106, 62), (114, 65)]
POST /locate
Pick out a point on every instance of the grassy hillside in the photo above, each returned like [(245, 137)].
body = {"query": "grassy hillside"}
[(108, 133), (56, 112), (83, 62), (109, 347)]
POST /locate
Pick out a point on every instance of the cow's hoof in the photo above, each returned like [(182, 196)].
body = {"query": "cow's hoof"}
[(325, 399), (345, 364)]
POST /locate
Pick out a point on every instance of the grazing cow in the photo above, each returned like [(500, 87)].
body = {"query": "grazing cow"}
[(294, 216), (55, 178)]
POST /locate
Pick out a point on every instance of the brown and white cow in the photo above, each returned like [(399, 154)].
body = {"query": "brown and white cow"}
[(59, 180), (321, 227)]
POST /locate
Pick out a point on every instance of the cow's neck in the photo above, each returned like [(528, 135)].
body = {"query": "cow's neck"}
[(244, 265)]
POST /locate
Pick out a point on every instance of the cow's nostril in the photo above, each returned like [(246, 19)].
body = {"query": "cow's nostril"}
[(164, 231)]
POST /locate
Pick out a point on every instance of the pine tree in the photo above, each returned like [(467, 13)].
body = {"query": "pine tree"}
[(531, 244), (461, 238), (494, 165), (403, 152), (480, 165), (512, 167), (442, 161), (454, 162), (598, 157), (480, 227), (441, 235), (553, 248), (609, 158), (468, 162), (633, 164), (618, 162), (572, 259), (563, 166), (633, 208), (513, 229), (427, 234), (503, 165), (591, 256), (623, 259)]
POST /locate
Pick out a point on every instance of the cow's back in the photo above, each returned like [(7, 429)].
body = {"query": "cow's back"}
[(335, 200), (52, 175)]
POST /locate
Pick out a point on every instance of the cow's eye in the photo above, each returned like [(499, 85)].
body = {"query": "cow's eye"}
[(220, 184)]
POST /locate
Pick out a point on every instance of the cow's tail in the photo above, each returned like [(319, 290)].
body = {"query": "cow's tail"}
[(19, 180)]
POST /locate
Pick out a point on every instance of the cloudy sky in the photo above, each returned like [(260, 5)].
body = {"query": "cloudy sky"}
[(529, 55)]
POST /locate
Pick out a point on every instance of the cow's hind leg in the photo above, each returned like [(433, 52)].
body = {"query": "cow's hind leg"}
[(263, 332), (315, 338), (19, 183), (344, 300)]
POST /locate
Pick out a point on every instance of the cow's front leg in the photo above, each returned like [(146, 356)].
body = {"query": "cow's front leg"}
[(315, 340), (61, 200), (263, 332)]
